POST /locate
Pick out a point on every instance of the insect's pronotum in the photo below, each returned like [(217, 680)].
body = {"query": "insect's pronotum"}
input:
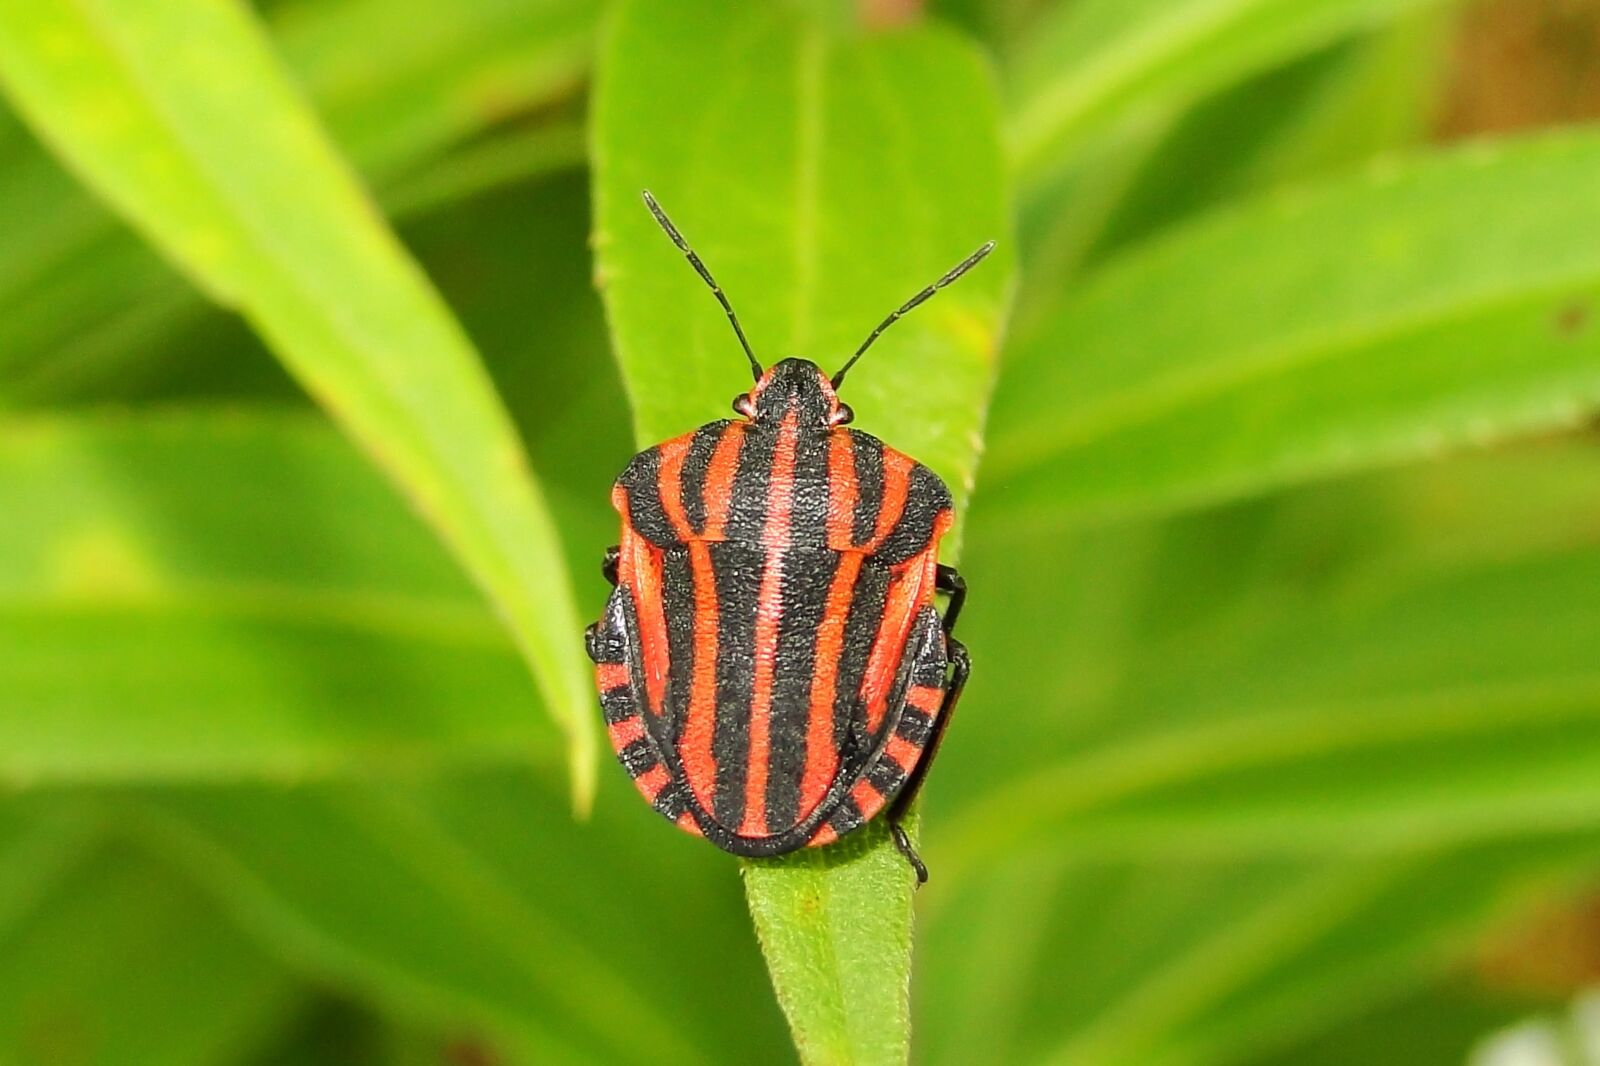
[(772, 666)]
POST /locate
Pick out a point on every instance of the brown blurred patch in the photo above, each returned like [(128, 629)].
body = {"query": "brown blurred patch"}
[(1519, 64), (1551, 953), (469, 1052), (885, 14)]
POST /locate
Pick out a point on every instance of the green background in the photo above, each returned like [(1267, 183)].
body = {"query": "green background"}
[(325, 325)]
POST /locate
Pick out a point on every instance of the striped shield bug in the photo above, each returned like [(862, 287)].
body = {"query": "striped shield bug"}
[(772, 666)]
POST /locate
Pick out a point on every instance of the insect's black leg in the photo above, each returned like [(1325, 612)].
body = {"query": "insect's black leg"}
[(949, 580), (903, 842), (960, 668), (608, 564)]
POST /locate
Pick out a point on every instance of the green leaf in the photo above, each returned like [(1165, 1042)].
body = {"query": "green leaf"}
[(1255, 895), (1319, 114), (497, 161), (83, 302), (182, 118), (1441, 1023), (1184, 961), (39, 850), (811, 188), (444, 73), (1227, 717), (126, 963), (490, 919), (1395, 316), (1309, 120), (1095, 63), (218, 596)]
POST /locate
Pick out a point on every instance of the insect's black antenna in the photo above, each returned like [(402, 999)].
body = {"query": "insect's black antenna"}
[(955, 272), (705, 275)]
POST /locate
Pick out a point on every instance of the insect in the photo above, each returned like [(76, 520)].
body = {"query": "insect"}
[(771, 663)]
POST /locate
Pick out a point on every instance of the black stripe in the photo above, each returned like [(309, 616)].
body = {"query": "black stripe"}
[(927, 638), (808, 517), (672, 800), (695, 466), (642, 481), (637, 757), (860, 628), (677, 603), (617, 705), (738, 569), (845, 817), (869, 485), (926, 498), (915, 726), (887, 777), (806, 579), (610, 635), (747, 511)]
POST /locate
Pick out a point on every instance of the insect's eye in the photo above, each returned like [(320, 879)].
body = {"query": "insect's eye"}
[(741, 405), (843, 415)]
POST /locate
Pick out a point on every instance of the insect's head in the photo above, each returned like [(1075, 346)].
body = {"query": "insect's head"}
[(797, 384)]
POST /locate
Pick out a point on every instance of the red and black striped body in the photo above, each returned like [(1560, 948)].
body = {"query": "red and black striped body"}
[(771, 664)]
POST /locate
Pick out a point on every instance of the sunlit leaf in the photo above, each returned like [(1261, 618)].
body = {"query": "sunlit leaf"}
[(84, 305), (1094, 63), (223, 596), (182, 118), (820, 210), (1368, 321), (1397, 663)]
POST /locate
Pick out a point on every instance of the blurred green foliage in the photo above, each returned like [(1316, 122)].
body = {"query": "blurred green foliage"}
[(1283, 546)]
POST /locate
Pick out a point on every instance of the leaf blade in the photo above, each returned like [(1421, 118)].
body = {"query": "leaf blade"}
[(819, 210), (1091, 65), (1367, 322), (235, 182), (170, 585), (441, 79), (1241, 729)]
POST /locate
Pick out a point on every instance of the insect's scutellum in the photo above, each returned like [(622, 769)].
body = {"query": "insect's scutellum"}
[(772, 665)]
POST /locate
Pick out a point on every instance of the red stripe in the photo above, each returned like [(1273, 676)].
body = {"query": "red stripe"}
[(769, 607), (823, 835), (822, 758), (625, 732), (889, 645), (687, 823), (669, 481), (925, 698), (903, 752), (652, 781), (843, 490), (896, 484), (699, 727), (639, 570), (608, 676), (718, 491), (869, 801)]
